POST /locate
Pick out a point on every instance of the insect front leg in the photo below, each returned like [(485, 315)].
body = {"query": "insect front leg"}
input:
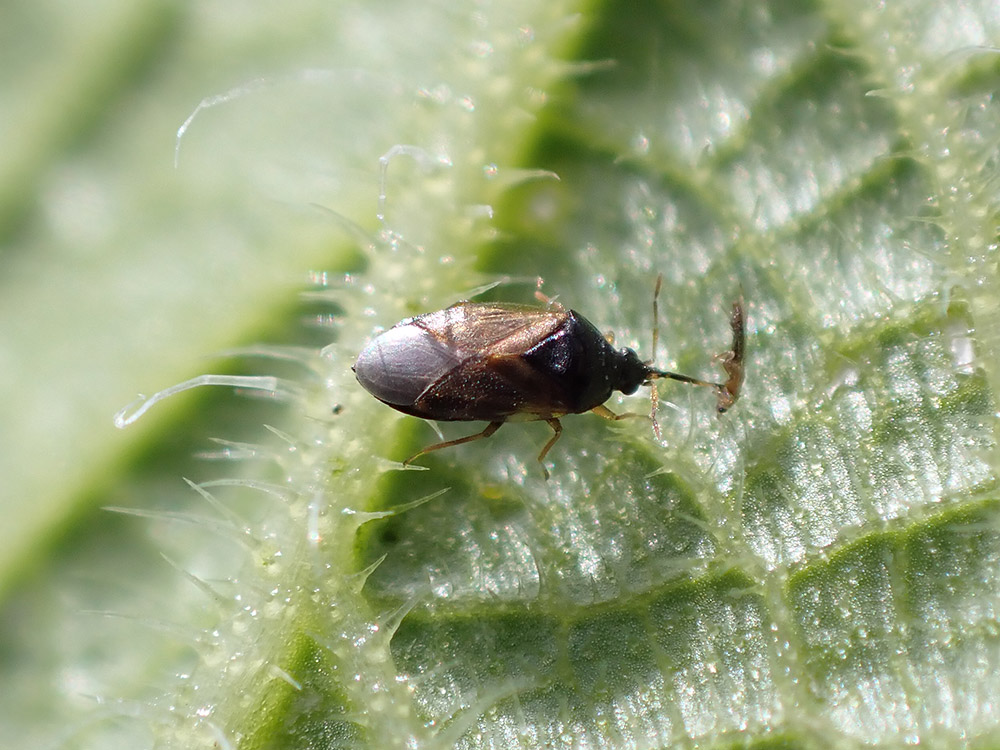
[(490, 429), (602, 411)]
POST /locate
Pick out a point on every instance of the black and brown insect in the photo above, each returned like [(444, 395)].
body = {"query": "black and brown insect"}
[(497, 362)]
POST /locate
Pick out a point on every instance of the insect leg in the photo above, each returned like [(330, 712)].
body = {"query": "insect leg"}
[(490, 429), (556, 432), (602, 411), (544, 298)]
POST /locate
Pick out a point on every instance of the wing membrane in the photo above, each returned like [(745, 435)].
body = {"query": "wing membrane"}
[(491, 380), (493, 388), (476, 329)]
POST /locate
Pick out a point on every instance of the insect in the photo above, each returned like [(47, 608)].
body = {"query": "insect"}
[(497, 362)]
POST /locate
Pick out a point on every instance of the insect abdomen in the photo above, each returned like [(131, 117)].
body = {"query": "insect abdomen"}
[(402, 363)]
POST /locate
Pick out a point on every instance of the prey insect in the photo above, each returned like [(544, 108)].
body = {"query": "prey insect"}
[(496, 362)]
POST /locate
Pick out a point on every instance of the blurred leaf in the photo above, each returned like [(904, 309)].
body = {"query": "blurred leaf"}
[(817, 568)]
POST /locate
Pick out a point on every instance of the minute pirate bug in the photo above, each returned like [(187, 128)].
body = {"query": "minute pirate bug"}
[(499, 362)]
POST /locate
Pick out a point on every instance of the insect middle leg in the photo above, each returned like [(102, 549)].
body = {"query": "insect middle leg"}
[(556, 432), (490, 429)]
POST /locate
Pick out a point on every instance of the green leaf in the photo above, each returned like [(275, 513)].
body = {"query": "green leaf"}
[(818, 567)]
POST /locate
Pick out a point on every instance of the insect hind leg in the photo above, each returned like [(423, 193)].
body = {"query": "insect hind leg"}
[(490, 429)]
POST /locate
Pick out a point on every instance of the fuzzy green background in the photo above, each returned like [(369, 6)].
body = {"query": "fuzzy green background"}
[(819, 568)]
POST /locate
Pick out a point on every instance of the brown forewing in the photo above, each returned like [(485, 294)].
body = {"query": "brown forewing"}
[(479, 328), (494, 382), (490, 388)]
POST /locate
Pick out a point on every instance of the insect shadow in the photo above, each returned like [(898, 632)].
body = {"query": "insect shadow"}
[(499, 362)]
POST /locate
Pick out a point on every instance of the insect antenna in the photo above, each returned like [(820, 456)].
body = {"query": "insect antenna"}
[(732, 362), (656, 313), (654, 395)]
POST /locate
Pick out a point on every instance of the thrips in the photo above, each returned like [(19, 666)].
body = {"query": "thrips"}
[(497, 362)]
